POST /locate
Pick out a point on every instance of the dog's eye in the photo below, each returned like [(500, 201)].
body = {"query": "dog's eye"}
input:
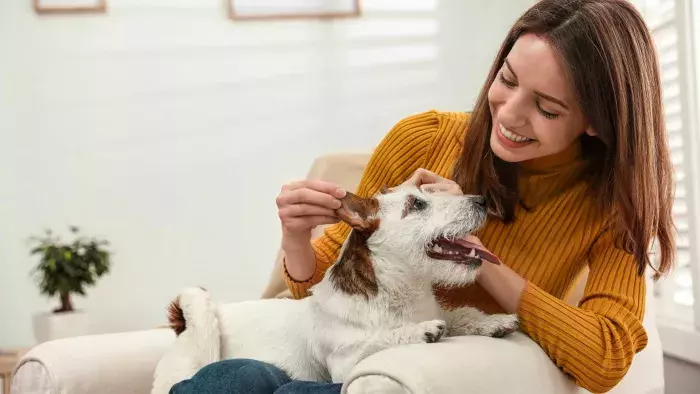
[(413, 204), (419, 205)]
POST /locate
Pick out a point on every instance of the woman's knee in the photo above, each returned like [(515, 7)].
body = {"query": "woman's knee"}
[(234, 376)]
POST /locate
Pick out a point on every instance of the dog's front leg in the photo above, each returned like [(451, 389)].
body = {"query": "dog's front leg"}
[(423, 332), (471, 321)]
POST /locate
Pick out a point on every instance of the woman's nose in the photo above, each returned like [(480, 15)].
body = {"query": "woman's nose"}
[(511, 114)]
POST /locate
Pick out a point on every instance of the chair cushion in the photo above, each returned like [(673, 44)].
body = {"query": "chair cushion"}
[(467, 364)]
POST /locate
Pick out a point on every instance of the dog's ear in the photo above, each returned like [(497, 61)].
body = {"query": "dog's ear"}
[(357, 211)]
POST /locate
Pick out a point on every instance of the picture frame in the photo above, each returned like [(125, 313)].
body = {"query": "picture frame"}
[(250, 10), (69, 6)]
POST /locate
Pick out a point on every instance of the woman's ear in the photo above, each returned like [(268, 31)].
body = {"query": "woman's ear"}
[(356, 211)]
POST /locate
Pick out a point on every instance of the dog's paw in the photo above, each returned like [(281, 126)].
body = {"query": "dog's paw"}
[(432, 330), (504, 325)]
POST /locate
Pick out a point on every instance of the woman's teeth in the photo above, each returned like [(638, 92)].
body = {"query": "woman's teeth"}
[(512, 136)]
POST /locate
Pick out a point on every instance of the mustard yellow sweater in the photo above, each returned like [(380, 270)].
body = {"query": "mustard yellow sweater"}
[(549, 245)]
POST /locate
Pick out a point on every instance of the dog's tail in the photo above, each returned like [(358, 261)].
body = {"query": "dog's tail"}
[(193, 317), (176, 317)]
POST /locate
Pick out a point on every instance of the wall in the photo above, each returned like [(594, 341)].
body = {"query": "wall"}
[(169, 129), (681, 377)]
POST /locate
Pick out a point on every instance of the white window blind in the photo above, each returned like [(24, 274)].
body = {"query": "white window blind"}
[(671, 35)]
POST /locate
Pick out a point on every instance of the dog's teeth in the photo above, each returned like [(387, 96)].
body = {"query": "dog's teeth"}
[(472, 253), (437, 248)]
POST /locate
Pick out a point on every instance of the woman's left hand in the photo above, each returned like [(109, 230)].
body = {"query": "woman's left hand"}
[(501, 282), (504, 284), (431, 182)]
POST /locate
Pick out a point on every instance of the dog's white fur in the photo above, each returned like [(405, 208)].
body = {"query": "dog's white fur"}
[(322, 337)]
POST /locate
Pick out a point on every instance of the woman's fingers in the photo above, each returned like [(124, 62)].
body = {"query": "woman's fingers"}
[(307, 196), (430, 182), (423, 176), (306, 222), (317, 185), (303, 205), (447, 187), (294, 210), (474, 239)]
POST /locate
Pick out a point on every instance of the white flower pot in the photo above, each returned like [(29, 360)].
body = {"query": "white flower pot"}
[(49, 326)]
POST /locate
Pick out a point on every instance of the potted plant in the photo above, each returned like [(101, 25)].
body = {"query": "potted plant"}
[(65, 269)]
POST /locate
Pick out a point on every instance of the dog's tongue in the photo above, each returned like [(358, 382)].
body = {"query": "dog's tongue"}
[(481, 252)]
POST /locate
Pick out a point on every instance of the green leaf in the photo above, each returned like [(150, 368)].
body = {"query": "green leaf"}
[(36, 250)]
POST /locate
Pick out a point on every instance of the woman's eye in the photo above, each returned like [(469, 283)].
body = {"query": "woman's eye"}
[(546, 114), (419, 205), (511, 85), (505, 81)]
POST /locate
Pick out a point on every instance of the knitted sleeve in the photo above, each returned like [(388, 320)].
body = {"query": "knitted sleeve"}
[(400, 153), (596, 341)]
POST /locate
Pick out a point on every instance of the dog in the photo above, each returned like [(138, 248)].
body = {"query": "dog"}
[(377, 295)]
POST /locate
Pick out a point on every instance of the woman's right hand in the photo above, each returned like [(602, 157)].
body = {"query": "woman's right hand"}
[(303, 205)]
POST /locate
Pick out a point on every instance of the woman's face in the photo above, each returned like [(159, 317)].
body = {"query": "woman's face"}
[(534, 111)]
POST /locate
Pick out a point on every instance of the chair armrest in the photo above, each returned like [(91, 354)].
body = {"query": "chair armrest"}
[(108, 363), (474, 364)]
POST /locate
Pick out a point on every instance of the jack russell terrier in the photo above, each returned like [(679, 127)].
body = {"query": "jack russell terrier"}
[(377, 295)]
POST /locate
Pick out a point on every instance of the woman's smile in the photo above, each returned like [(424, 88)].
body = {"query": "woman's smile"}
[(511, 139)]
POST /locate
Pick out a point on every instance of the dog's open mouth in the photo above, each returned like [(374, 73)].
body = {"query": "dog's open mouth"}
[(459, 251)]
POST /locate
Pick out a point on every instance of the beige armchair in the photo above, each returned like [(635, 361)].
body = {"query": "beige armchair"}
[(124, 362)]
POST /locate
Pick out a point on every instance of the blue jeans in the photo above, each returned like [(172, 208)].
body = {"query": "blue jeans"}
[(243, 376)]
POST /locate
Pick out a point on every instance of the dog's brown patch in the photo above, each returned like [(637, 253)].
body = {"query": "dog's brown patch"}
[(176, 318), (407, 206), (353, 273)]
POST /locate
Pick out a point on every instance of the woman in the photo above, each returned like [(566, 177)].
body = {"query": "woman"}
[(567, 141)]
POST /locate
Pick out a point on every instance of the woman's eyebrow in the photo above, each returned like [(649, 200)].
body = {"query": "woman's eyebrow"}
[(552, 99), (510, 68)]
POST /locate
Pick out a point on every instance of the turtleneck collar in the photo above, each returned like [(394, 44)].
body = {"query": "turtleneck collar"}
[(546, 177)]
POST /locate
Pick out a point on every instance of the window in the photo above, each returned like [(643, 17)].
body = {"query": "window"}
[(678, 296)]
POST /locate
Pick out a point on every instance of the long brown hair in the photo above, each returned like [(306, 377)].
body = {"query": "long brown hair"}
[(610, 60)]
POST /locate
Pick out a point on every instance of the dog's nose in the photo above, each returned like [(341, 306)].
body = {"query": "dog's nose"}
[(479, 200)]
